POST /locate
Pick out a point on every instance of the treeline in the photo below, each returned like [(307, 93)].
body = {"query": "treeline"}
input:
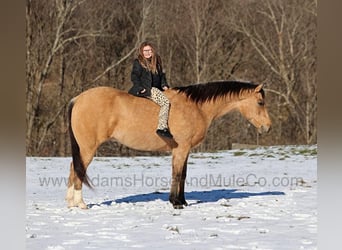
[(73, 45)]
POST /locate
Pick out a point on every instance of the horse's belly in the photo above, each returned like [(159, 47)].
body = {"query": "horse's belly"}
[(141, 141)]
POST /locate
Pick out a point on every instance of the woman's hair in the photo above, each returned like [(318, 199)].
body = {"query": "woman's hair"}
[(152, 63)]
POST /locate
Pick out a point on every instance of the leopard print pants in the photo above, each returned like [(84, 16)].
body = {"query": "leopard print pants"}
[(158, 97)]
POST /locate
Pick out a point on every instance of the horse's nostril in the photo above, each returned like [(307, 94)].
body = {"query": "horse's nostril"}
[(266, 129)]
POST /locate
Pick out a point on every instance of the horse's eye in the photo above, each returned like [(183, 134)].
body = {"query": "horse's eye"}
[(261, 102)]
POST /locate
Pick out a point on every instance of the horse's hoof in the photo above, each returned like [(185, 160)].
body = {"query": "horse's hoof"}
[(71, 203), (178, 206), (178, 203), (82, 205)]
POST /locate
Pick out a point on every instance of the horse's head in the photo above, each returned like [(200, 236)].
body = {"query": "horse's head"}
[(254, 109)]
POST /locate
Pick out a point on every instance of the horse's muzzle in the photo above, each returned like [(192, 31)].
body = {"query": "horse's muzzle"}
[(264, 129)]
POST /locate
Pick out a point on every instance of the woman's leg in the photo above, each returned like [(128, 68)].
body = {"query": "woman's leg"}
[(158, 97)]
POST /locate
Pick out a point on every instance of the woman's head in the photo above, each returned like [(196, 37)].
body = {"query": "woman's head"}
[(148, 56), (146, 50)]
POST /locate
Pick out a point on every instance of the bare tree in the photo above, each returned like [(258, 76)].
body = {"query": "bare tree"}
[(277, 30), (57, 37), (141, 28)]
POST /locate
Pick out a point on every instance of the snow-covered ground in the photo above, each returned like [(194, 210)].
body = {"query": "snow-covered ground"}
[(264, 198)]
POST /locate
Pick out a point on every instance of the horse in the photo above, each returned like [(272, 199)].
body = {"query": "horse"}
[(102, 113)]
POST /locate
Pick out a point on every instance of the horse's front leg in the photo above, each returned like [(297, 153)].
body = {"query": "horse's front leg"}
[(182, 183), (179, 168)]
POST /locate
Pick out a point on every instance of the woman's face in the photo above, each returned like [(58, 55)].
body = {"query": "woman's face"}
[(147, 52)]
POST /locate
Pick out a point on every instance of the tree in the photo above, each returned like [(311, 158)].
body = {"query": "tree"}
[(283, 35), (40, 54)]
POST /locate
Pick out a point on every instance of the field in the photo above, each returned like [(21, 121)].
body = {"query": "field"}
[(263, 198)]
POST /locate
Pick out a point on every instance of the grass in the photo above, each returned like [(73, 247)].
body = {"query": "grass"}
[(239, 153), (308, 152)]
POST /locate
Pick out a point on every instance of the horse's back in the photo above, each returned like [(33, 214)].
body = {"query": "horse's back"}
[(102, 101), (107, 112), (101, 92)]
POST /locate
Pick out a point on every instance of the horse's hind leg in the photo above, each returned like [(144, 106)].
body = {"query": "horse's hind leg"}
[(78, 197), (74, 195), (87, 156), (70, 192)]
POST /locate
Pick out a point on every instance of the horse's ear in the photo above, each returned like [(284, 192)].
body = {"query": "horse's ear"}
[(258, 88)]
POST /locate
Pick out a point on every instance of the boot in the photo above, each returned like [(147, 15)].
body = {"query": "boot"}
[(164, 133)]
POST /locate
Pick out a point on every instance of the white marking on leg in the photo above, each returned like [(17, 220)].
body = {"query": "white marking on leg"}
[(78, 200), (70, 196)]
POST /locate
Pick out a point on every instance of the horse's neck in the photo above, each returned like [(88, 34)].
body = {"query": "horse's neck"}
[(215, 109)]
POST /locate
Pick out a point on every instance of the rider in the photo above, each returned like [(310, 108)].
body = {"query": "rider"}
[(149, 81)]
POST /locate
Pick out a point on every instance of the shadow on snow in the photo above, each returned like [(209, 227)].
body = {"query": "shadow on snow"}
[(198, 196)]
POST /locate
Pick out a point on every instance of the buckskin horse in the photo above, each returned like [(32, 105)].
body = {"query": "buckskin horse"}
[(103, 113)]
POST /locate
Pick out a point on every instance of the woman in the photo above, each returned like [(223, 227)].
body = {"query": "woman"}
[(149, 81)]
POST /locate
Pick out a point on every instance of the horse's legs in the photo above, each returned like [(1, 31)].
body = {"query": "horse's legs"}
[(74, 193), (182, 183), (179, 165), (70, 193)]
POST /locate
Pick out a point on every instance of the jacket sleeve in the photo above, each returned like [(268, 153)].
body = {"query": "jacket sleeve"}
[(136, 73), (163, 80)]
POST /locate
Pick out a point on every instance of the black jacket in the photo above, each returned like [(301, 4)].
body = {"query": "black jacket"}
[(144, 79)]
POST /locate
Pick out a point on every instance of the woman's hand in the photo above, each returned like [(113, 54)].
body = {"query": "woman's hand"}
[(165, 88)]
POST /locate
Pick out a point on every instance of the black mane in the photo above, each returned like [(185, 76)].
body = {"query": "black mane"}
[(204, 92)]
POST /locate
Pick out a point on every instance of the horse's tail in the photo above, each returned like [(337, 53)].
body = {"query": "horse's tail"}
[(75, 150)]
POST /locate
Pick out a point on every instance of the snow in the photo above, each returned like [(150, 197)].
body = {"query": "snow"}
[(264, 198)]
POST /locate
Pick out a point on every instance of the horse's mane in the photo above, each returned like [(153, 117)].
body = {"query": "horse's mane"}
[(205, 92)]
